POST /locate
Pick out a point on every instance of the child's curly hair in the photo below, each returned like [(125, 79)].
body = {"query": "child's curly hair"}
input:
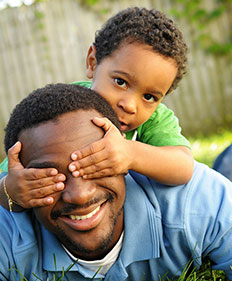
[(145, 26)]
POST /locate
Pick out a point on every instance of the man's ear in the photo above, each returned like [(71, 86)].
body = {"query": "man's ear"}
[(91, 61)]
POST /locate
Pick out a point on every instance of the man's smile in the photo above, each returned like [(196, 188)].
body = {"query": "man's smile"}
[(89, 215), (87, 221)]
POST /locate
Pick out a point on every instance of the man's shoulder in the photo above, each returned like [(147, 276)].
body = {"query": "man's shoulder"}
[(187, 218), (17, 227), (209, 189), (175, 203)]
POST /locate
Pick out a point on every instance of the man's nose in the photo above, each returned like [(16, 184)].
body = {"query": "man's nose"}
[(128, 103), (78, 191)]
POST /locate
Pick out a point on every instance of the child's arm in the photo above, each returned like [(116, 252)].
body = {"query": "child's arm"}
[(28, 187), (172, 165)]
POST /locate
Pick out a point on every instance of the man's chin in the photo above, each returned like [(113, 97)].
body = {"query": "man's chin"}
[(88, 248)]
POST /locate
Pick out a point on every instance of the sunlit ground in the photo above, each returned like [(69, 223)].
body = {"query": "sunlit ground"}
[(206, 149)]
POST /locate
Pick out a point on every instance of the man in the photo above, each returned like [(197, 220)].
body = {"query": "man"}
[(135, 229), (223, 163)]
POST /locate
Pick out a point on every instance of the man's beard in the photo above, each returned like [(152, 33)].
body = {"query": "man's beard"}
[(79, 250)]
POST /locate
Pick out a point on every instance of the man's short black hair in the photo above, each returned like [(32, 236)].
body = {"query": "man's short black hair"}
[(50, 102), (144, 26)]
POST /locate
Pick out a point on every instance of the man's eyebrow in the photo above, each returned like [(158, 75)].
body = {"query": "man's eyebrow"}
[(42, 165)]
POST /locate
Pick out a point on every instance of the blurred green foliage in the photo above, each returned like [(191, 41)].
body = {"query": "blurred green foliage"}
[(206, 148), (88, 2), (201, 15)]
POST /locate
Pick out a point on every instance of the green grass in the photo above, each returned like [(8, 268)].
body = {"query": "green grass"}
[(205, 273), (206, 148)]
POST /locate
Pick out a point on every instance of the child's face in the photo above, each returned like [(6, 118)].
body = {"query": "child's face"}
[(133, 79)]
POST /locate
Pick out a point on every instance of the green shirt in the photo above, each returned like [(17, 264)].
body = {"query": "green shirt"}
[(161, 129)]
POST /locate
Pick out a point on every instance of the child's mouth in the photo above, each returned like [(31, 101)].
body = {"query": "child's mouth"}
[(124, 126)]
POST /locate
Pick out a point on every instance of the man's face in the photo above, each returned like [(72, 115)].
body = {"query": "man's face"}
[(87, 216)]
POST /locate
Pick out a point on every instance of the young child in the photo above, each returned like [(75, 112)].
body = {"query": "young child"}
[(137, 58)]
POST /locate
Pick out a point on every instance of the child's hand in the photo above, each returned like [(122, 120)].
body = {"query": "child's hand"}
[(106, 157), (31, 187)]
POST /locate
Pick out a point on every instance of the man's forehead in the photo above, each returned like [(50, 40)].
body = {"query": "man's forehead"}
[(68, 133), (75, 121)]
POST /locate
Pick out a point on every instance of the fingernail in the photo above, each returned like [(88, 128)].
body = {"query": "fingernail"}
[(60, 185), (72, 167), (74, 157), (49, 200), (53, 172), (85, 177), (76, 174), (60, 178)]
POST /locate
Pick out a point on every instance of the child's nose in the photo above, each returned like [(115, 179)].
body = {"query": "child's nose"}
[(128, 104), (78, 191)]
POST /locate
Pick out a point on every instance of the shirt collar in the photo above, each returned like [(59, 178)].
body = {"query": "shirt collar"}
[(141, 239), (55, 258)]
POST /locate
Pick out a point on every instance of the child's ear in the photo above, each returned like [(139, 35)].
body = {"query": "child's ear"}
[(91, 61)]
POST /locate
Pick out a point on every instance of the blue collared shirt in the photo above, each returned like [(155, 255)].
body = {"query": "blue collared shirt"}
[(165, 227)]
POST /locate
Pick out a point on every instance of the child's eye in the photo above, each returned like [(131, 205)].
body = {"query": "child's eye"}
[(150, 98), (120, 82)]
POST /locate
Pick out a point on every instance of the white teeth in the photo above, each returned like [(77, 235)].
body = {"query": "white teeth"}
[(85, 216)]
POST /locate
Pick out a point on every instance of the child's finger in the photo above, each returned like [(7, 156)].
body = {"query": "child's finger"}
[(95, 168), (105, 124), (46, 182), (37, 197), (40, 202), (13, 156), (88, 150), (32, 174), (103, 173), (92, 160), (38, 193)]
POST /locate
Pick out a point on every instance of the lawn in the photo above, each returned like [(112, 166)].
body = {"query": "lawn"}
[(205, 273), (206, 148)]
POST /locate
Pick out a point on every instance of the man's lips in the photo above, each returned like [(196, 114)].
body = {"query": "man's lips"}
[(86, 221)]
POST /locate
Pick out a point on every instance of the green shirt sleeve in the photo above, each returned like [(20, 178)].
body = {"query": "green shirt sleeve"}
[(86, 84), (4, 165), (161, 129)]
